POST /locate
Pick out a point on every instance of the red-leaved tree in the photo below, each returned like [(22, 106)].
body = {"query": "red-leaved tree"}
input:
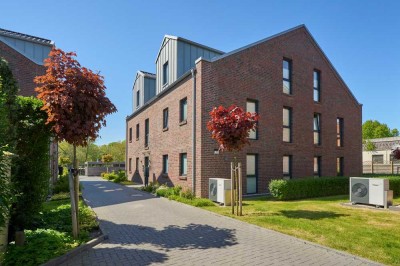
[(230, 127), (76, 104)]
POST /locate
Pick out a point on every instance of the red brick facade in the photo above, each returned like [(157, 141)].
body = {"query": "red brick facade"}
[(254, 73), (23, 69)]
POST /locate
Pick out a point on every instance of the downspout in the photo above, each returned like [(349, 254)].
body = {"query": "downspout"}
[(193, 70)]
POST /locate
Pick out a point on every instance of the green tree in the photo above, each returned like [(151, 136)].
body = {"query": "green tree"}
[(372, 129)]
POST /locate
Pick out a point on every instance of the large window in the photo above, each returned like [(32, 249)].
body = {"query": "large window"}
[(287, 166), (317, 166), (377, 158), (165, 73), (183, 110), (146, 133), (183, 164), (130, 165), (252, 107), (317, 129), (137, 131), (317, 86), (339, 166), (130, 134), (287, 124), (287, 76), (137, 164), (137, 99), (165, 164), (251, 173), (165, 118), (339, 132)]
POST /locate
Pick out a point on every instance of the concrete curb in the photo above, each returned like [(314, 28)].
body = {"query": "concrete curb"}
[(76, 251)]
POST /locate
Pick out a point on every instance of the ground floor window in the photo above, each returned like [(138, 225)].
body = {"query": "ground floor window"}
[(287, 166), (251, 173), (165, 164), (317, 166), (183, 164), (339, 166)]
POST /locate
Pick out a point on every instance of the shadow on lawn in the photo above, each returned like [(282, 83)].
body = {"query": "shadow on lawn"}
[(311, 215)]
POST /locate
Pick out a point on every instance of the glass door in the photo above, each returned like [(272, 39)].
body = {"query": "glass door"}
[(251, 173)]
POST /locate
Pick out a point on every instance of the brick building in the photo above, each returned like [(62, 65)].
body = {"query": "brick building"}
[(310, 122), (25, 55)]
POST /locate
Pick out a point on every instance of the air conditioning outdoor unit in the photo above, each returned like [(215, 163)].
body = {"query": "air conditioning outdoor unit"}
[(220, 190), (373, 191)]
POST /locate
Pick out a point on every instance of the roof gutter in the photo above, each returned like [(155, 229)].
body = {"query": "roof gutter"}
[(193, 71)]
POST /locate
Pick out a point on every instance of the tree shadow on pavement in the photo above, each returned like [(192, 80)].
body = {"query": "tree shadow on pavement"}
[(191, 236)]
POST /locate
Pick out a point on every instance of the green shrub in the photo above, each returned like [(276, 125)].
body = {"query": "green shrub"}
[(164, 191), (41, 246), (62, 184), (60, 196), (103, 174), (151, 188), (121, 177), (187, 194), (309, 187)]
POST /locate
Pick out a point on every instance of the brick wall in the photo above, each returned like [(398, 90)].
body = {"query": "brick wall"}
[(255, 73), (23, 69)]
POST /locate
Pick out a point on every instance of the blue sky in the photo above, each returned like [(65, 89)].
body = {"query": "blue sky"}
[(361, 38)]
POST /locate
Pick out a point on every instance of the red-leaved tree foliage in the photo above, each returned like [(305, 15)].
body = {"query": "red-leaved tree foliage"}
[(75, 101), (230, 127), (396, 154)]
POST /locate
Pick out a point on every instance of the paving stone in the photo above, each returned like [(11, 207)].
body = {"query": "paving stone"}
[(146, 230)]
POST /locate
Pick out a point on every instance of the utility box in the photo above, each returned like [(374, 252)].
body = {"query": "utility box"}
[(220, 190)]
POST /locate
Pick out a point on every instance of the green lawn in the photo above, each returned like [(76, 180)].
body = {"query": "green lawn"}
[(372, 234)]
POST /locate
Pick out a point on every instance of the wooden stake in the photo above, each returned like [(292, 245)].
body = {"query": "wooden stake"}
[(73, 206), (240, 188), (232, 189), (237, 189)]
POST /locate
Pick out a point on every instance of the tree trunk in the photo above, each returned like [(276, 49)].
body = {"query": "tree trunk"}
[(73, 205), (76, 186)]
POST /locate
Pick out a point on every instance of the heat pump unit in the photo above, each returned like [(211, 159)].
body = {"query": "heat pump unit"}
[(374, 191), (220, 190)]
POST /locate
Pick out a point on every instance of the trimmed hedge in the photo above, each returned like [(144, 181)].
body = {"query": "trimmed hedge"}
[(309, 187)]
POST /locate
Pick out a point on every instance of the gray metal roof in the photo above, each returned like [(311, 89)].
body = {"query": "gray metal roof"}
[(26, 37), (383, 144), (147, 74)]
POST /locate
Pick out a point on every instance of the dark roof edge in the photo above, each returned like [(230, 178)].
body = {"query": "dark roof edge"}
[(170, 87), (26, 37), (257, 42)]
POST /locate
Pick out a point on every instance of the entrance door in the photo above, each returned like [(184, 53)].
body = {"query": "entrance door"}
[(146, 170), (251, 173)]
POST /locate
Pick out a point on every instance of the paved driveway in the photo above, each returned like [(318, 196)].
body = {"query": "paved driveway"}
[(145, 230)]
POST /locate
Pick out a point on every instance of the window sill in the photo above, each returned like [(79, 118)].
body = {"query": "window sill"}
[(165, 85), (286, 94), (165, 129), (137, 139), (317, 146), (184, 122), (130, 141), (287, 143), (317, 102), (252, 139), (146, 147), (183, 178), (165, 175)]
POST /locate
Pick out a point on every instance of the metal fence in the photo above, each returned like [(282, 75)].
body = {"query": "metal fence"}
[(390, 167)]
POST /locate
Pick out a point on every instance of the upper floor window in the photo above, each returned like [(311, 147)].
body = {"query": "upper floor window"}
[(137, 132), (252, 107), (317, 86), (287, 166), (317, 129), (165, 73), (287, 124), (183, 110), (146, 132), (317, 166), (165, 164), (339, 132), (137, 99), (287, 76), (165, 118), (130, 134)]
